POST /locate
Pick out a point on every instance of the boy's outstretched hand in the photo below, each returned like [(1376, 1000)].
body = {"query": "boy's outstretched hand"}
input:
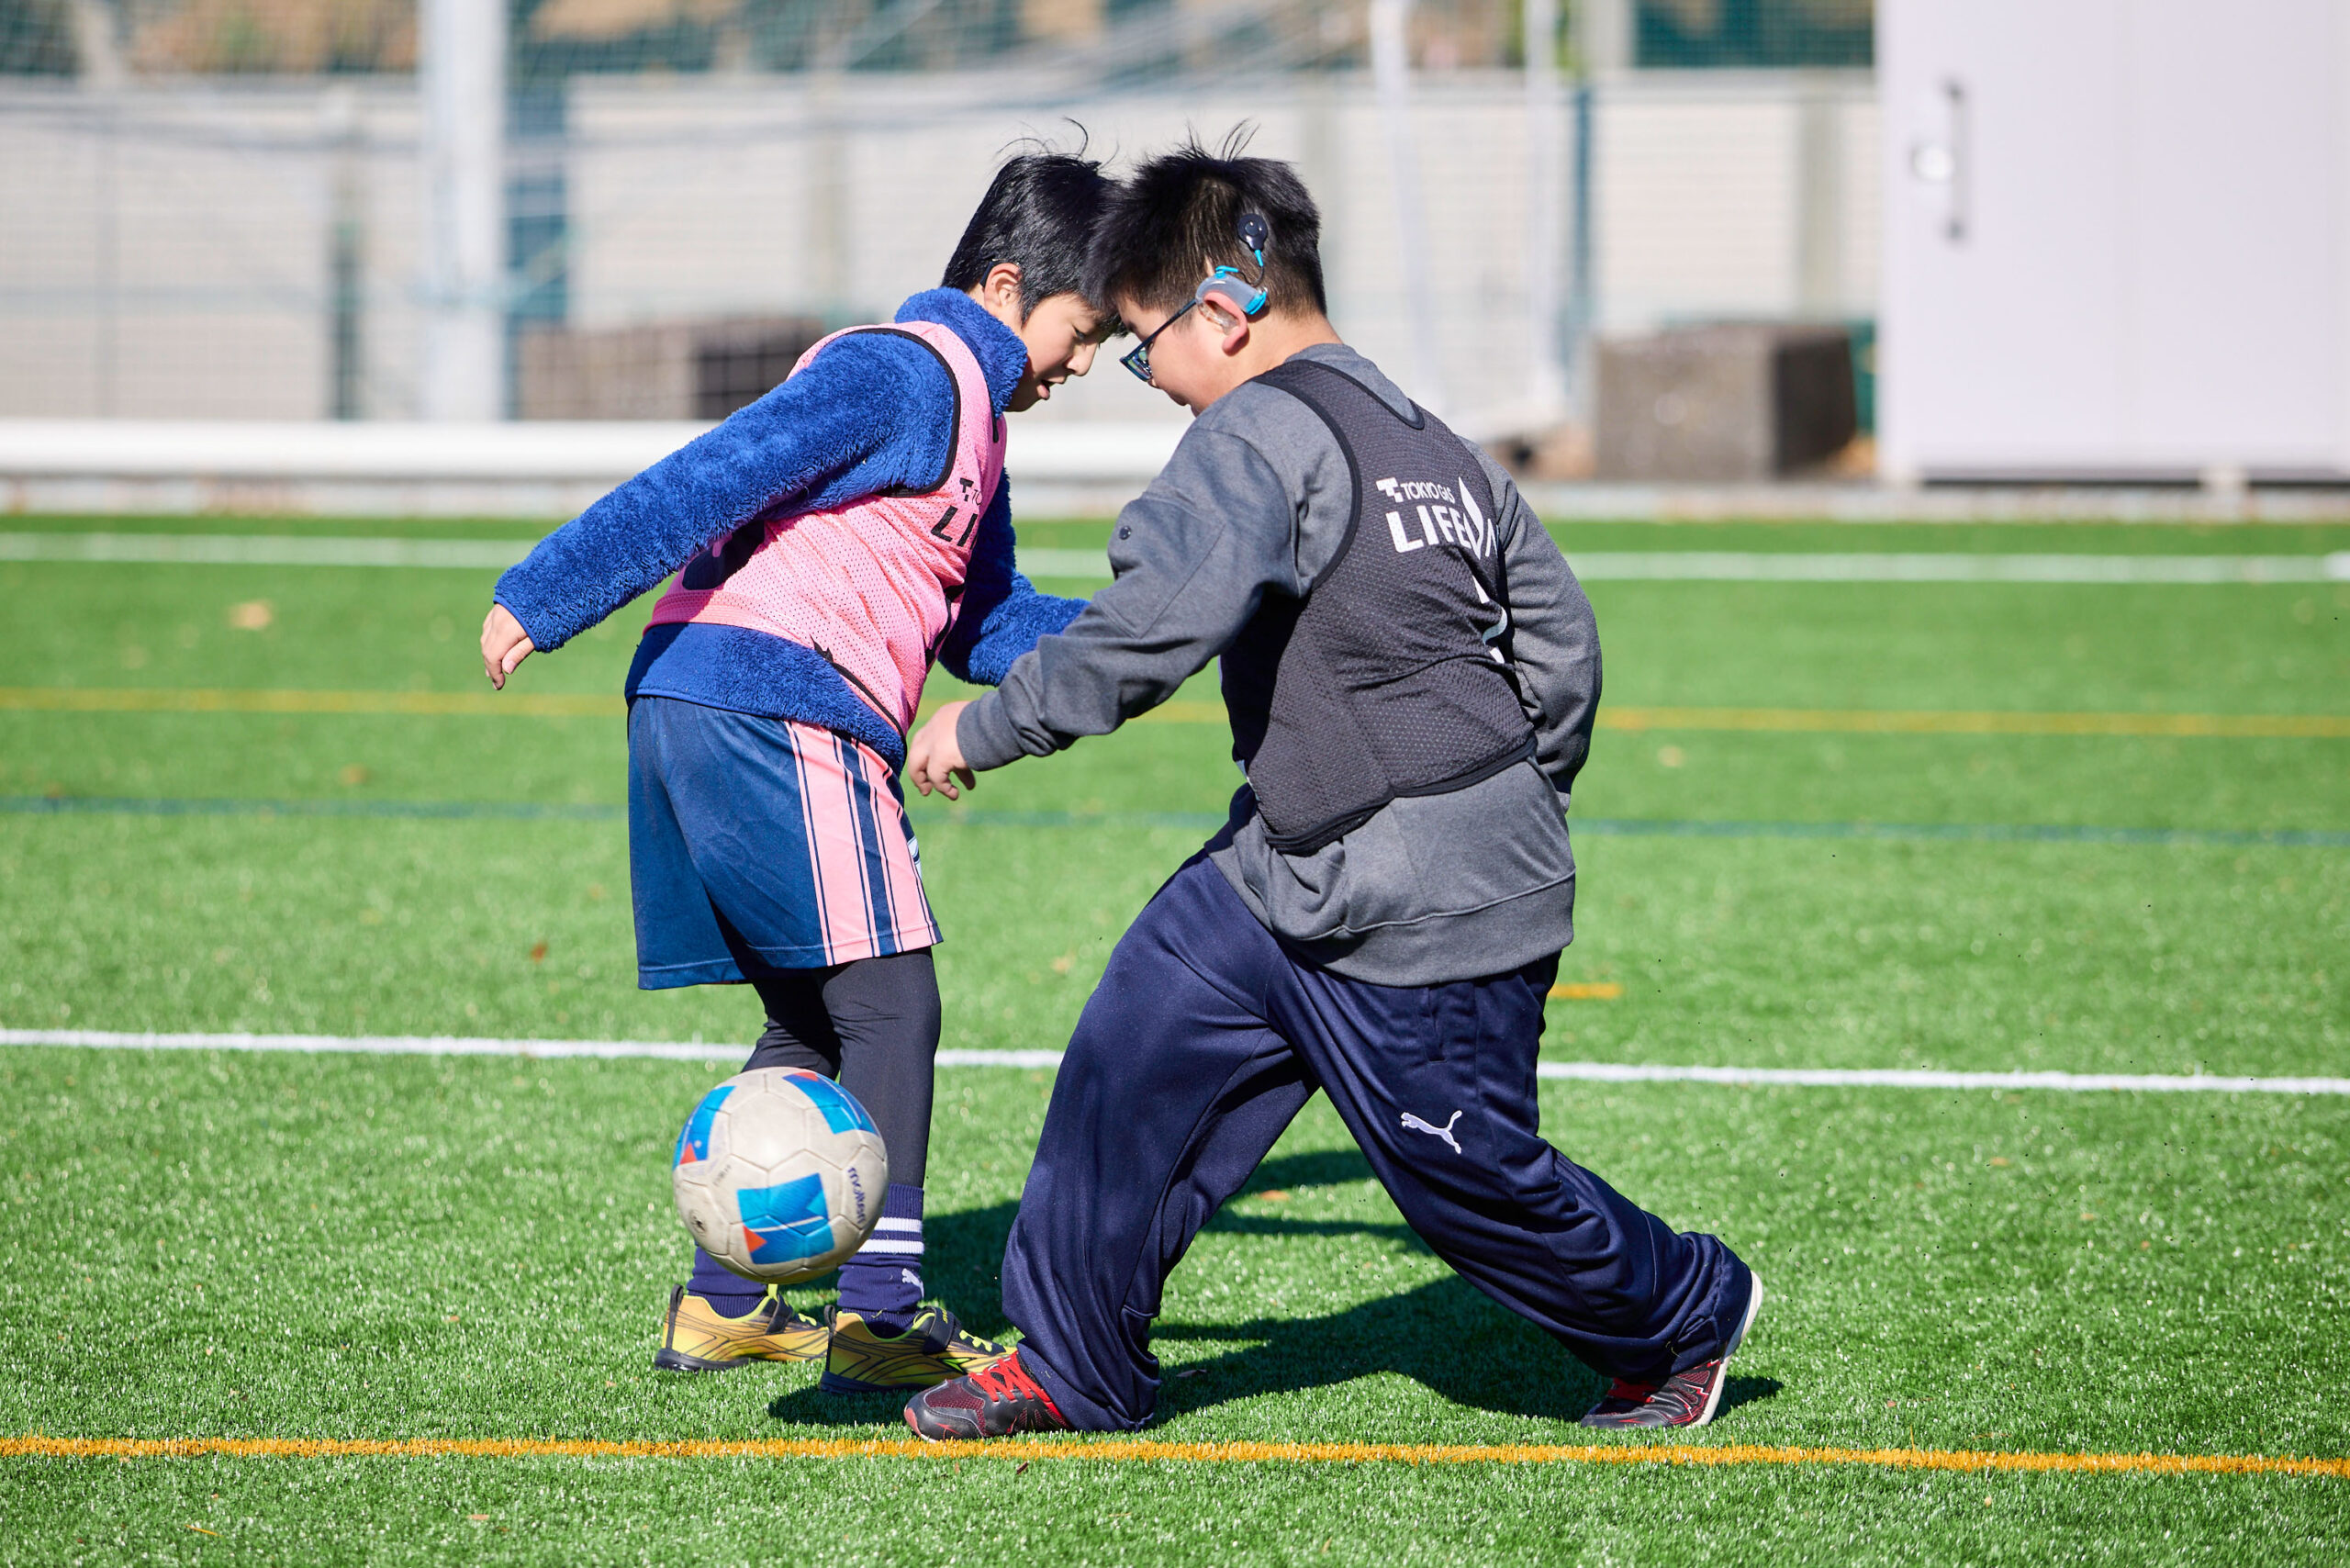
[(504, 645), (935, 758)]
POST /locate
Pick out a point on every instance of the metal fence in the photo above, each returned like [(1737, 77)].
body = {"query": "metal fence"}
[(636, 208)]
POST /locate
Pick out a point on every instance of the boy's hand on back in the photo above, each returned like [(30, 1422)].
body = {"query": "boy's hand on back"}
[(935, 757), (504, 645)]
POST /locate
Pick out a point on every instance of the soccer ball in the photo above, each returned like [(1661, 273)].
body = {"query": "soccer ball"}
[(780, 1174)]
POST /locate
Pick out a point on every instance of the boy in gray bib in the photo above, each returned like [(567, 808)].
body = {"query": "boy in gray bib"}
[(1411, 673)]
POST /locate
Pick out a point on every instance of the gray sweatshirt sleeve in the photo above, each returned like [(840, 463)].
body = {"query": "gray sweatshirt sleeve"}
[(1554, 638), (1195, 555)]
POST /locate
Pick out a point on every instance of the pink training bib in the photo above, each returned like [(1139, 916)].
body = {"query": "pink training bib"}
[(872, 586)]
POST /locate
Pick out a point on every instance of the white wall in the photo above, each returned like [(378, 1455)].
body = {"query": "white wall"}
[(2118, 238)]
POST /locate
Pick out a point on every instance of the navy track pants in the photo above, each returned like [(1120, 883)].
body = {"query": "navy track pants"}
[(1205, 1037)]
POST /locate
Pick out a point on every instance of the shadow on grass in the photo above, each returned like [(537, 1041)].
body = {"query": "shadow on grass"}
[(963, 1265), (963, 1256), (811, 1406), (1445, 1335), (1746, 1390), (1322, 1168)]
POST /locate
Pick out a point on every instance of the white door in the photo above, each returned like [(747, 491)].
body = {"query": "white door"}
[(2113, 237)]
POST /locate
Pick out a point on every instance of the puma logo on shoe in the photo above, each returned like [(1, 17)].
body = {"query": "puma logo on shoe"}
[(1414, 1124)]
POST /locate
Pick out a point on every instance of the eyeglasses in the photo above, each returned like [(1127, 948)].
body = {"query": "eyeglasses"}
[(1137, 359), (1223, 286)]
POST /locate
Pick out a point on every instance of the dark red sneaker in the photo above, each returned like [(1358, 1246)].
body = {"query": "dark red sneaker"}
[(993, 1402), (1684, 1399)]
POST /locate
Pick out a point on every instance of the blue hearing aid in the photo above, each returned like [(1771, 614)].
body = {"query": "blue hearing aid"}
[(1255, 233), (1226, 287)]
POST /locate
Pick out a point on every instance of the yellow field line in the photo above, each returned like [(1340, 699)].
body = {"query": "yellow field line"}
[(217, 699), (1930, 721), (1132, 1450), (1586, 991), (1787, 720)]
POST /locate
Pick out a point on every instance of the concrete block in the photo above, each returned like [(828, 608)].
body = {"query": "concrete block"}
[(668, 370), (1725, 403)]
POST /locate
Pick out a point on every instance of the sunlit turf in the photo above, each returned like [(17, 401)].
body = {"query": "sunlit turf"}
[(416, 1248), (2206, 648), (2086, 957), (877, 1511), (221, 1245), (2229, 650)]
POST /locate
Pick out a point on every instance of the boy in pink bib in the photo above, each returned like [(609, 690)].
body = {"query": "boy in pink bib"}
[(831, 542)]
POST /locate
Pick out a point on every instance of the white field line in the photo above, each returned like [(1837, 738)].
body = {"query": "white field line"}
[(1674, 565), (1903, 1078), (260, 550), (1693, 565), (455, 1046), (1587, 1071)]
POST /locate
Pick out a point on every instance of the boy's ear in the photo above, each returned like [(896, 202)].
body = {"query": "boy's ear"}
[(1000, 290), (1231, 323)]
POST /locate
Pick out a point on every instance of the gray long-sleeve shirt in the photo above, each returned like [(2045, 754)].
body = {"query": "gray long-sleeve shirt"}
[(1255, 500)]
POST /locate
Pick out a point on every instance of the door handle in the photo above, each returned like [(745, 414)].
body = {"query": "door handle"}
[(1944, 161)]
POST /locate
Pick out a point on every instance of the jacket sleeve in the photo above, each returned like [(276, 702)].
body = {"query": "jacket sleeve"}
[(1193, 557), (1002, 614), (1553, 639), (873, 410)]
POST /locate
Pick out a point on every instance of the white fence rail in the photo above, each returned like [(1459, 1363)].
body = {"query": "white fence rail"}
[(395, 468), (552, 470)]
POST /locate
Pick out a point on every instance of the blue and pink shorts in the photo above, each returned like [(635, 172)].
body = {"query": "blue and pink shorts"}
[(761, 845)]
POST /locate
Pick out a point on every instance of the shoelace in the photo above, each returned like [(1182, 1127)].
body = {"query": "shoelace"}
[(1001, 1381), (1008, 1381)]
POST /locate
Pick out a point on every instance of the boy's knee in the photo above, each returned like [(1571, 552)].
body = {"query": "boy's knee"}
[(796, 1054)]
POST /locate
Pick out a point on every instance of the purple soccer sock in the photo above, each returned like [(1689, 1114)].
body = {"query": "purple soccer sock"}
[(728, 1293), (882, 1283)]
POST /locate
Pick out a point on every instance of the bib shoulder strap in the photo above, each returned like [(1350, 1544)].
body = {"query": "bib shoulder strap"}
[(955, 386), (1321, 387), (1296, 375), (1310, 384)]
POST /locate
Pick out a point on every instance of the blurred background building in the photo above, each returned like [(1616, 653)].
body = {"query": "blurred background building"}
[(257, 209), (1644, 238)]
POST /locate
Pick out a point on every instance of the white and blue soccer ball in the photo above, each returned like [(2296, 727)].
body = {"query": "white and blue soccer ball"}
[(780, 1174)]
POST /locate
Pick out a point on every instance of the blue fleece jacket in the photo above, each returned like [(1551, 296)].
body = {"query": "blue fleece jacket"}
[(873, 412)]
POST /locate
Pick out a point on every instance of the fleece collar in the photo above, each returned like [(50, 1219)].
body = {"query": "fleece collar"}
[(1004, 358)]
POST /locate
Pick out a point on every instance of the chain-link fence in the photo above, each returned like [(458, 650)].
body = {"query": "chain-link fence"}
[(642, 208)]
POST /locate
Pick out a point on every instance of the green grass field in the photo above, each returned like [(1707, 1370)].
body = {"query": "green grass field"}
[(214, 1244)]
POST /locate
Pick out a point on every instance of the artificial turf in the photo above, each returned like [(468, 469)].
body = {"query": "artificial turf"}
[(1759, 952), (214, 1245), (302, 1247)]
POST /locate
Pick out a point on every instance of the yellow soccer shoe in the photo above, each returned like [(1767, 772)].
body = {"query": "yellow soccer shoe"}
[(696, 1338), (935, 1349)]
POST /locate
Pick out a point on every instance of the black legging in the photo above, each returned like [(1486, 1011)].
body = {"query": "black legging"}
[(872, 1024)]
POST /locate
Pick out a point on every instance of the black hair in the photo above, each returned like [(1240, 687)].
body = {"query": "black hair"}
[(1038, 215), (1177, 218)]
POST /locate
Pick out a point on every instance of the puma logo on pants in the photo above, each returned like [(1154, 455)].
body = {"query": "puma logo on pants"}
[(1414, 1124)]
